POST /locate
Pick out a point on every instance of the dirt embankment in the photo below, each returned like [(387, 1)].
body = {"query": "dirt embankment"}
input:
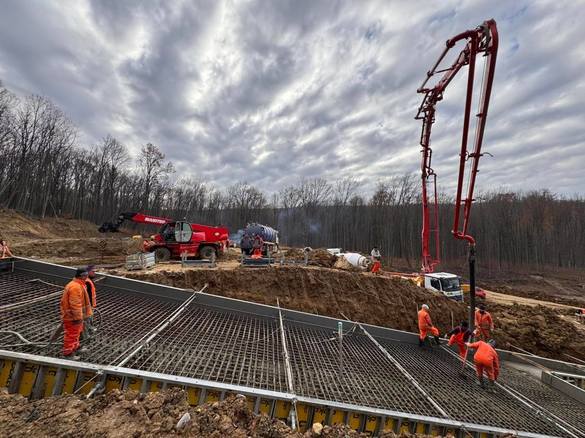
[(130, 414), (18, 228), (59, 240), (361, 297), (388, 302)]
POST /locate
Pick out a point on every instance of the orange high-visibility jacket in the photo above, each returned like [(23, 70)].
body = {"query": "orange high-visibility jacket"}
[(90, 285), (424, 320), (486, 355), (484, 321), (74, 300)]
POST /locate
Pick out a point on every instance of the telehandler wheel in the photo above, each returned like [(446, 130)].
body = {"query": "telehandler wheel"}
[(207, 252), (162, 254)]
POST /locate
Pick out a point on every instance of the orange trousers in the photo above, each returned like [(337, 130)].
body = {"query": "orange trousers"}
[(71, 333), (257, 254), (424, 332), (461, 346), (483, 334), (376, 267), (487, 368)]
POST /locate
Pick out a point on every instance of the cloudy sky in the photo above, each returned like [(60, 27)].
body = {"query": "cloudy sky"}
[(272, 91)]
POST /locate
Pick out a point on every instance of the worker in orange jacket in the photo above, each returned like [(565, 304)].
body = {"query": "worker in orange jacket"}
[(484, 324), (425, 326), (257, 245), (90, 305), (73, 308), (459, 336), (486, 361)]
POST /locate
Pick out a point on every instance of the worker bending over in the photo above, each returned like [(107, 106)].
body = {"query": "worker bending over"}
[(73, 308), (425, 326), (486, 361), (459, 336), (484, 324)]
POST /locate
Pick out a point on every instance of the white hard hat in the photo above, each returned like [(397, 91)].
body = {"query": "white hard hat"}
[(425, 306)]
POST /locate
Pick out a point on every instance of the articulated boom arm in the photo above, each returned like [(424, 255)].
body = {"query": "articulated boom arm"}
[(483, 39), (134, 217)]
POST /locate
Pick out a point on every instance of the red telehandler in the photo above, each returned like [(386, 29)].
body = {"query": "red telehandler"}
[(481, 40), (176, 238)]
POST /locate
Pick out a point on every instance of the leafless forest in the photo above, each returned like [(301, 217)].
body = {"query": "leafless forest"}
[(45, 171)]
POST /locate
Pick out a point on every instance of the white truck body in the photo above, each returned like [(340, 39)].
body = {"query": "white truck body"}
[(445, 283)]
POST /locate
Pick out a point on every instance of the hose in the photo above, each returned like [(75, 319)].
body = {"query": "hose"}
[(25, 342)]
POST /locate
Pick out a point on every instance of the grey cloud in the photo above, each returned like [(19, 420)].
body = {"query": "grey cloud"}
[(270, 92)]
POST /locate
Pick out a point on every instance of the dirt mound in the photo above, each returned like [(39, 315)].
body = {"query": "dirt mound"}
[(130, 414), (16, 227), (342, 263), (317, 257), (364, 297), (540, 330)]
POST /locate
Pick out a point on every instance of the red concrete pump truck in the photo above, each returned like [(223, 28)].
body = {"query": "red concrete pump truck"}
[(175, 238), (482, 40)]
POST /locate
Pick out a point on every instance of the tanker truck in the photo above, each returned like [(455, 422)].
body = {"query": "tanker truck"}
[(268, 235)]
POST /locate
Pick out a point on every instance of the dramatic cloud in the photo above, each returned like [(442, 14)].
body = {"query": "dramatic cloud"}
[(272, 91)]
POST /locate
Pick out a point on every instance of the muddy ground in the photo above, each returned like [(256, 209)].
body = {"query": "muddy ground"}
[(130, 414)]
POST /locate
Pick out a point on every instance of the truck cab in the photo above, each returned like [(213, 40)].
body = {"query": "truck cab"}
[(445, 283)]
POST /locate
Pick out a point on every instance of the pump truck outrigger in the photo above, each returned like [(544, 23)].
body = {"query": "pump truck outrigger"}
[(176, 238), (483, 39)]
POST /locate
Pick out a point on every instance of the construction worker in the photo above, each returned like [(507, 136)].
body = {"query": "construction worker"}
[(459, 336), (246, 244), (257, 247), (484, 325), (91, 300), (375, 258), (375, 254), (486, 361), (4, 250), (73, 308), (425, 325)]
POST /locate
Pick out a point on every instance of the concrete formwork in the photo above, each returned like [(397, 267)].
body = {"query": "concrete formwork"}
[(293, 365)]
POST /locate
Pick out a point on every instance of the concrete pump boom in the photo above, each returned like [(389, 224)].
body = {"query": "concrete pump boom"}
[(483, 39)]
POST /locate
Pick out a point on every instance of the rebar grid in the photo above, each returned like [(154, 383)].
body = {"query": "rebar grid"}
[(243, 349), (221, 346), (18, 287), (439, 373), (367, 377), (126, 317), (550, 399)]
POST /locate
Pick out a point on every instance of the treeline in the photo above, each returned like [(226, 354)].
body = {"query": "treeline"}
[(44, 171)]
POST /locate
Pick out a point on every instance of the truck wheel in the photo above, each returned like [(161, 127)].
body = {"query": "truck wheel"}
[(207, 252), (162, 254)]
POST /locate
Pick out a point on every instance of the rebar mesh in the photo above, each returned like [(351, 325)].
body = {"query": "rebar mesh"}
[(366, 378), (244, 349), (439, 373)]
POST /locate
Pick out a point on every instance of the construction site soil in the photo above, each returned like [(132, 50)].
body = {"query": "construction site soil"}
[(161, 414)]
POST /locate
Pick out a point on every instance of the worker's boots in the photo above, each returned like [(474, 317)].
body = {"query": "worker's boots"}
[(437, 340), (481, 383), (491, 386)]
